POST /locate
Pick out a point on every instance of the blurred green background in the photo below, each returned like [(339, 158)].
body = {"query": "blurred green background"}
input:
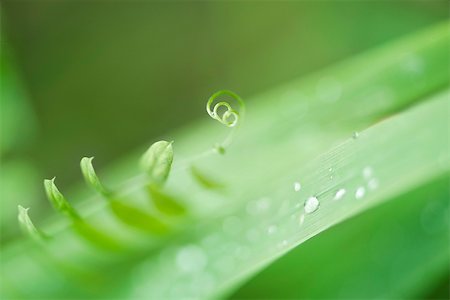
[(105, 77), (102, 78)]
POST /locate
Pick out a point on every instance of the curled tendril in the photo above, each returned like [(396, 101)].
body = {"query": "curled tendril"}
[(230, 117)]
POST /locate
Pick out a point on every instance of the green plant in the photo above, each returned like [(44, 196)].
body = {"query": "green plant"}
[(203, 242)]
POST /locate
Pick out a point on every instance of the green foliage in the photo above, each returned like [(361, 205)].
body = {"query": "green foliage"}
[(215, 239)]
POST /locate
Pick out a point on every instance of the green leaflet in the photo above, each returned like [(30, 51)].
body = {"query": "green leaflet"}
[(97, 237), (137, 218), (127, 214), (205, 180), (157, 161), (58, 201), (91, 177), (165, 203), (88, 232), (27, 225)]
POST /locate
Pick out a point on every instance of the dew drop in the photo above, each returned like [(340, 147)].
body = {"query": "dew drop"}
[(302, 219), (297, 186), (311, 205), (355, 135), (191, 259), (367, 172), (360, 192), (373, 184), (272, 229), (283, 244), (263, 204), (257, 207), (339, 194)]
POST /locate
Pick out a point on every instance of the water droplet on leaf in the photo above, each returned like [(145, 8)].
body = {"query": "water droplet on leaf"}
[(360, 192), (272, 229), (311, 205), (257, 207), (373, 184), (367, 172), (302, 219), (339, 194)]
